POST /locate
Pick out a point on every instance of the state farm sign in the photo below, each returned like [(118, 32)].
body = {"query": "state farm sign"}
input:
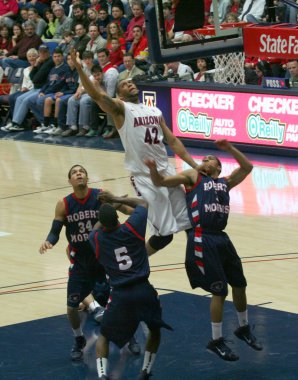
[(271, 42)]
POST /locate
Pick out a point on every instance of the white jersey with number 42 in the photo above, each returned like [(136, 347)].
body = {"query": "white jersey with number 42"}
[(142, 137)]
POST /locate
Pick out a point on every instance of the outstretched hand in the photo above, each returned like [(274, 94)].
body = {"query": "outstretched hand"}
[(105, 197), (223, 144), (75, 57), (45, 246)]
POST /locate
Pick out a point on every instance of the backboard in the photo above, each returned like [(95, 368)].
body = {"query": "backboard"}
[(207, 41)]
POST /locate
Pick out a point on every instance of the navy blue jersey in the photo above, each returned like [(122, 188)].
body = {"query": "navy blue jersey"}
[(81, 216), (208, 203), (122, 251)]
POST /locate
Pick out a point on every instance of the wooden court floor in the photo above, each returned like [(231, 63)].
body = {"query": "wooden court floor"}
[(263, 226)]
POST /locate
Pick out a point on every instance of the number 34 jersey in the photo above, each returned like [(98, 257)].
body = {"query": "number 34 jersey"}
[(81, 216), (122, 251), (142, 137)]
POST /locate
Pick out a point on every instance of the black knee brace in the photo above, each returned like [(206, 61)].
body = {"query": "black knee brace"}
[(159, 242)]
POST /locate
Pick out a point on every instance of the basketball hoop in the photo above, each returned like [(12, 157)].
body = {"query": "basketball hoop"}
[(229, 68)]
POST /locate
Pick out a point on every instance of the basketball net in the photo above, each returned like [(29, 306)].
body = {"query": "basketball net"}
[(229, 68)]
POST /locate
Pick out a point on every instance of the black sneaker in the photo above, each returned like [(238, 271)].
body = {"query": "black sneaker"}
[(144, 375), (77, 349), (134, 346), (245, 334), (219, 347)]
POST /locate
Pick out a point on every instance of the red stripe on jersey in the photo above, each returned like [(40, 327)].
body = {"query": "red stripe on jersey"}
[(194, 204), (200, 263), (196, 218), (96, 245), (198, 248), (198, 232), (195, 185), (84, 200), (134, 231), (66, 206)]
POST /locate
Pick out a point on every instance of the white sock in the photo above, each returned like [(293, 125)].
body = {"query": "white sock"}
[(242, 318), (149, 358), (216, 330), (86, 127), (93, 305), (74, 127), (101, 364), (78, 332)]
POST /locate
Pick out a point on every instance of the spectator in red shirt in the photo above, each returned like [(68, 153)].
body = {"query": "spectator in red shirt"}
[(138, 19), (168, 17), (5, 40), (139, 43), (8, 10), (95, 5), (116, 54)]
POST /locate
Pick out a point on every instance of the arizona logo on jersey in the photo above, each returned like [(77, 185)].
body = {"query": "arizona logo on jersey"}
[(149, 98)]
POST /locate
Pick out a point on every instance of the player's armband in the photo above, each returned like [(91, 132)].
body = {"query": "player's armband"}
[(53, 236)]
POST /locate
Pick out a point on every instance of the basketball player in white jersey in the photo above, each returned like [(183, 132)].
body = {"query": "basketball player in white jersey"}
[(142, 130)]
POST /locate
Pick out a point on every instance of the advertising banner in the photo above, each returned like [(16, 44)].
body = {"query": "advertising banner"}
[(249, 118), (279, 42)]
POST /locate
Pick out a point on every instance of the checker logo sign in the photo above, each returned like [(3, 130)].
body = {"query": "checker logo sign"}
[(149, 98), (249, 118)]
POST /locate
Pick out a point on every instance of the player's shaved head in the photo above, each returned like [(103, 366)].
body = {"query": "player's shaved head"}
[(108, 216)]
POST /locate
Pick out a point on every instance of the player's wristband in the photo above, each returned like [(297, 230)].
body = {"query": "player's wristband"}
[(53, 236)]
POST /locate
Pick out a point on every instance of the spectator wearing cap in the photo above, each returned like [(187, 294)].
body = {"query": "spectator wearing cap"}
[(63, 23), (8, 11), (56, 82), (17, 56)]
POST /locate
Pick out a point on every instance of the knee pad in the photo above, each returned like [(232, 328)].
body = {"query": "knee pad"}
[(159, 242)]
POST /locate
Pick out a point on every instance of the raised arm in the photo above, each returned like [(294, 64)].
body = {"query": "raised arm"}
[(56, 228), (239, 174), (108, 197), (186, 178), (112, 106), (177, 146)]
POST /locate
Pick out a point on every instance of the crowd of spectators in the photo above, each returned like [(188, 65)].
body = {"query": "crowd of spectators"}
[(110, 39)]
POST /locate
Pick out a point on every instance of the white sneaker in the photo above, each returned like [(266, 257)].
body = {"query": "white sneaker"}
[(49, 131), (16, 128), (36, 130), (7, 127), (42, 129), (57, 132)]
